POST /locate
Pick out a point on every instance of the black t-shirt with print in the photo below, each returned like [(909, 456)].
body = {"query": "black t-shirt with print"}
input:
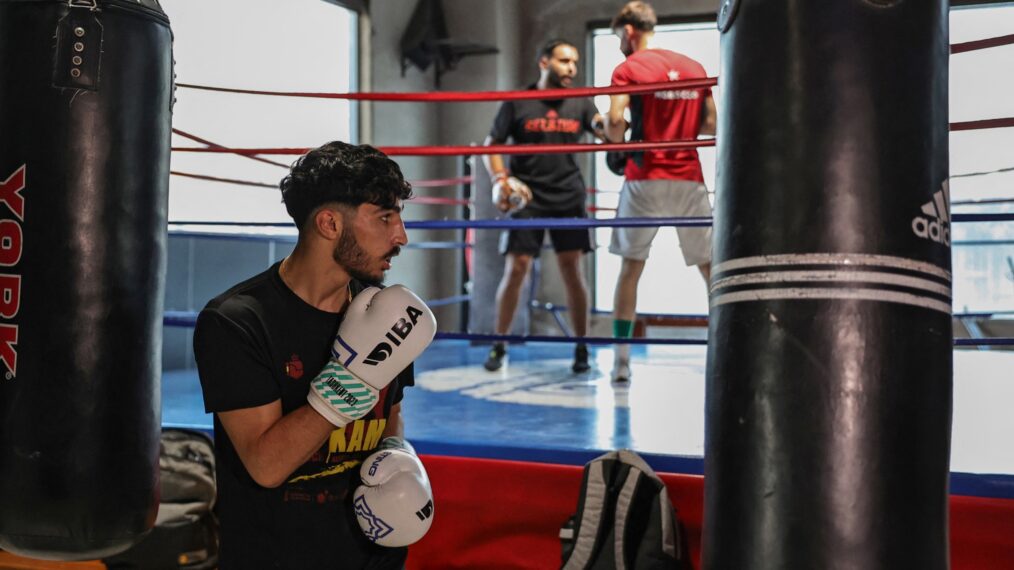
[(256, 343), (555, 179)]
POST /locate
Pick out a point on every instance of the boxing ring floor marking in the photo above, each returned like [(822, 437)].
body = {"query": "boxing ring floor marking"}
[(536, 408)]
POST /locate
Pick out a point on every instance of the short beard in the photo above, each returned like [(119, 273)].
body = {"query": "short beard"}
[(555, 80), (355, 261)]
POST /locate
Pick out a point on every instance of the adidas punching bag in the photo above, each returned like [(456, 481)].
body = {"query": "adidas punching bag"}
[(85, 95), (828, 403)]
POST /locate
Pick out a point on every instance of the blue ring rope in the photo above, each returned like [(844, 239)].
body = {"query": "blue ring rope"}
[(704, 316), (994, 341), (568, 339), (189, 319), (292, 238), (565, 223), (449, 301)]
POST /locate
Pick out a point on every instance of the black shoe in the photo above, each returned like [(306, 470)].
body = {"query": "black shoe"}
[(495, 360), (581, 359)]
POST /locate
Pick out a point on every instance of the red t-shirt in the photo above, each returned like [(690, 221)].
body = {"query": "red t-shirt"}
[(665, 115)]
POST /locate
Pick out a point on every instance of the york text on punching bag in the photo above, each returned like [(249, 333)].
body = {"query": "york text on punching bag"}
[(10, 255)]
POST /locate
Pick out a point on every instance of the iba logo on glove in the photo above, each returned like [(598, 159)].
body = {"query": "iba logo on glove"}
[(398, 333)]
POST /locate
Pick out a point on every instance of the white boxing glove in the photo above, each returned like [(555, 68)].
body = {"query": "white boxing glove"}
[(382, 333), (510, 194), (394, 505)]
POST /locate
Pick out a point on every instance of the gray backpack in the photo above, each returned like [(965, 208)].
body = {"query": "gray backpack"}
[(186, 531), (624, 521)]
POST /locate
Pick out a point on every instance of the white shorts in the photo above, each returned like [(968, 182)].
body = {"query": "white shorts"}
[(663, 199)]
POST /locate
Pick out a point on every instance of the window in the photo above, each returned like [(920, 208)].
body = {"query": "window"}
[(980, 84), (980, 88), (297, 45)]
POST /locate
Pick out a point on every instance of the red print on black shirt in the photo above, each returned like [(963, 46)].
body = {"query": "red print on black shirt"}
[(294, 368), (552, 123)]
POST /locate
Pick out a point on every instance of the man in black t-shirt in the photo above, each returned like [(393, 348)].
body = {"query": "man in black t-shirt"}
[(552, 186), (290, 440)]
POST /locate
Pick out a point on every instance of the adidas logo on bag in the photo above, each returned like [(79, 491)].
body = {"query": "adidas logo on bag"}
[(936, 224)]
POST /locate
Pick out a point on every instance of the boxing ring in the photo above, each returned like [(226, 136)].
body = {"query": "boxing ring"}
[(504, 450), (531, 426)]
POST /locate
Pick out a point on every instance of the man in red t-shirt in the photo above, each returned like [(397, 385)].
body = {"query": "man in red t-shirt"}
[(657, 183)]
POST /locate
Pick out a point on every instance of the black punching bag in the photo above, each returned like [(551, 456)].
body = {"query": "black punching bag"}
[(828, 408), (85, 95)]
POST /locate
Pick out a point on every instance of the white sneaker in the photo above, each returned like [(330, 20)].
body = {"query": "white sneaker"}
[(621, 363), (621, 372)]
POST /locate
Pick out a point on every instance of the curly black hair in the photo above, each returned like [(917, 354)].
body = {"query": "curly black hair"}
[(343, 173)]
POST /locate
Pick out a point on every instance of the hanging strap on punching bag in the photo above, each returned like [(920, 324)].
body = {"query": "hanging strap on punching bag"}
[(78, 55)]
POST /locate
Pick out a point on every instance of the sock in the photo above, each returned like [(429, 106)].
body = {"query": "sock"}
[(622, 328)]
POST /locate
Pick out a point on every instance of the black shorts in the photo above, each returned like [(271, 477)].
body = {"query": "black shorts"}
[(529, 242)]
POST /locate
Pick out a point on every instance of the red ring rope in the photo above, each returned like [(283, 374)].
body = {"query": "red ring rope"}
[(226, 180), (982, 44), (195, 138), (462, 96), (440, 182), (427, 200), (438, 201), (460, 150), (476, 150), (983, 124), (475, 96)]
